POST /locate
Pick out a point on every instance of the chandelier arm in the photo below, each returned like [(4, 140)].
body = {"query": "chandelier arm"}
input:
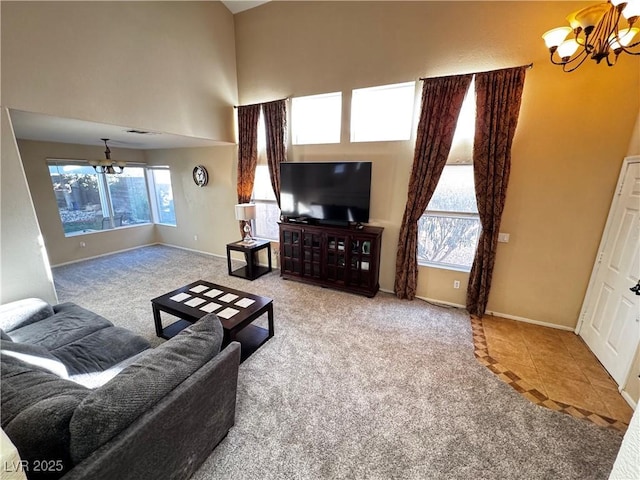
[(584, 57), (628, 47), (583, 53)]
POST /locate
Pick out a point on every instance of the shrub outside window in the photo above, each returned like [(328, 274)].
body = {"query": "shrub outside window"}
[(448, 231), (88, 201), (383, 113), (316, 119)]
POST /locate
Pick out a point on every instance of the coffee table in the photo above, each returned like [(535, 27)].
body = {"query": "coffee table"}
[(236, 310)]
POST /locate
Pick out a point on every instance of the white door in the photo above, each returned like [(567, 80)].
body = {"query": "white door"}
[(610, 312)]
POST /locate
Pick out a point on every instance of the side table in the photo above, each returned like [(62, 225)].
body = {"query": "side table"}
[(252, 270)]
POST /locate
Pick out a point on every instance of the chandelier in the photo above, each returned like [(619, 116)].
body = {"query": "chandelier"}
[(107, 165), (601, 32)]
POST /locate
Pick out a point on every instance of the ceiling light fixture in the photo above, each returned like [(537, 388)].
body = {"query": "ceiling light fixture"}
[(107, 165), (595, 32)]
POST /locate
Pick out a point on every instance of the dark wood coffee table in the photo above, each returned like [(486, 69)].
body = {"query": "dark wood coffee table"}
[(236, 310)]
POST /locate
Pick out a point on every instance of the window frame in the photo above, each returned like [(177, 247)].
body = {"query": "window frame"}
[(104, 194), (295, 133), (453, 214), (153, 199), (353, 129)]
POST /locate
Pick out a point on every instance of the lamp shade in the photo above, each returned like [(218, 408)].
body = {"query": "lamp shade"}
[(632, 9), (245, 211), (589, 17), (568, 48), (555, 37), (624, 38)]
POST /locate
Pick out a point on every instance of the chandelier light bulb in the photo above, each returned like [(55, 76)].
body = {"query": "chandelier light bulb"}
[(623, 39), (556, 36), (632, 10), (567, 48)]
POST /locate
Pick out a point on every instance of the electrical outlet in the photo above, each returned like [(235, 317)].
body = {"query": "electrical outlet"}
[(456, 284), (503, 237), (82, 244), (195, 237)]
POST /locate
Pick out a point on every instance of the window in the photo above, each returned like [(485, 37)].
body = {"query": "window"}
[(160, 184), (89, 201), (316, 119), (265, 224), (382, 113), (449, 229)]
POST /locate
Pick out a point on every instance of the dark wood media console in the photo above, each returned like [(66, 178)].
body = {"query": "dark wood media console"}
[(344, 258)]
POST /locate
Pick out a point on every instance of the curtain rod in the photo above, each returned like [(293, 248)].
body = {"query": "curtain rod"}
[(529, 66), (286, 99)]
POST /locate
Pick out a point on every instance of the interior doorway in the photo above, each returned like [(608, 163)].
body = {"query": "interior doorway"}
[(610, 317)]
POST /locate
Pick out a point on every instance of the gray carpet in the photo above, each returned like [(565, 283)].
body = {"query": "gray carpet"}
[(352, 387)]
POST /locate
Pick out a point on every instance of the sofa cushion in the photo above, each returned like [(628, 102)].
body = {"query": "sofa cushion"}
[(70, 323), (100, 350), (23, 312), (111, 408), (34, 355), (36, 410)]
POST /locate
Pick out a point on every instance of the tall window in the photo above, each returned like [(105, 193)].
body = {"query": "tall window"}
[(316, 119), (162, 195), (265, 224), (89, 201), (267, 211), (449, 229), (382, 113)]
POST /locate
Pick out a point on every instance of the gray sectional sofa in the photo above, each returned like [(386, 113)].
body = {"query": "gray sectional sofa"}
[(83, 399)]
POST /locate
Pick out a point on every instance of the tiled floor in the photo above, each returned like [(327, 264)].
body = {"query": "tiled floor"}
[(550, 367)]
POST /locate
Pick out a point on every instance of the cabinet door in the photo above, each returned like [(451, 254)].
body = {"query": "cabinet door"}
[(336, 262), (360, 261), (311, 254), (291, 249)]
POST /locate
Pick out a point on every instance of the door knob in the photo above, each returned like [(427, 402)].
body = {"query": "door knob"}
[(636, 289)]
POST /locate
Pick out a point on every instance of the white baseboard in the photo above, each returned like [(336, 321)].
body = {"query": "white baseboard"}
[(497, 314), (628, 398), (104, 255), (529, 320), (430, 300), (202, 252)]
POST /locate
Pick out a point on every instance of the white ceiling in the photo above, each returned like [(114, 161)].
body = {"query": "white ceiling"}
[(237, 6), (47, 128)]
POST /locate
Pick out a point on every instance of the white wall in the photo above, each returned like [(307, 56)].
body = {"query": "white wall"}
[(24, 267), (163, 66)]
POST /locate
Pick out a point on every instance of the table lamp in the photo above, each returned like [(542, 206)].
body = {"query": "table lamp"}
[(246, 212)]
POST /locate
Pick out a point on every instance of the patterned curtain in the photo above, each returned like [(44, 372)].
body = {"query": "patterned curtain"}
[(498, 95), (441, 102), (247, 151), (275, 121)]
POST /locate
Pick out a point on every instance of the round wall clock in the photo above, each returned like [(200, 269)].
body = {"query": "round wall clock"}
[(200, 176)]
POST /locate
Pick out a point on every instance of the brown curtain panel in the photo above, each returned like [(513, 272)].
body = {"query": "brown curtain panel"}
[(247, 151), (498, 96), (441, 102), (275, 121)]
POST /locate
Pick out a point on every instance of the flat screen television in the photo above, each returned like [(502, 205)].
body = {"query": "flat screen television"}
[(336, 193)]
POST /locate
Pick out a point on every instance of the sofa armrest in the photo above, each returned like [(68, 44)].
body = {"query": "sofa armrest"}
[(23, 312), (174, 437)]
